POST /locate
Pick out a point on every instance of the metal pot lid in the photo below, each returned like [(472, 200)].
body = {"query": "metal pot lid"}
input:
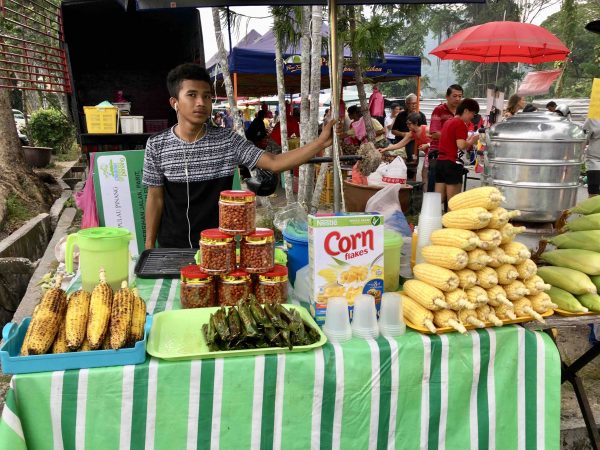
[(537, 126)]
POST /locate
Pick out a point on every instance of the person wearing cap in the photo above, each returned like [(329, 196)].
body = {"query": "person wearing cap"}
[(187, 166)]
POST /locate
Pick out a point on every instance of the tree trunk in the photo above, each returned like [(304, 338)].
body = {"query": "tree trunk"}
[(238, 125), (289, 186), (16, 177), (305, 49)]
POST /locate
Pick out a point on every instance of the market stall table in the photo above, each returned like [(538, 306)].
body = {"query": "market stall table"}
[(494, 388)]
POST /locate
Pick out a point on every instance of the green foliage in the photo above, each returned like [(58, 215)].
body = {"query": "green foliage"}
[(51, 128)]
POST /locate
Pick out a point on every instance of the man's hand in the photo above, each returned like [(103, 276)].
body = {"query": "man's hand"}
[(424, 147)]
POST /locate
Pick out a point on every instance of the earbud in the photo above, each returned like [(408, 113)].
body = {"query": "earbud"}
[(176, 107)]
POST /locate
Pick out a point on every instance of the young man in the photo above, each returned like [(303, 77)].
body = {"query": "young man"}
[(188, 165), (452, 145), (440, 115)]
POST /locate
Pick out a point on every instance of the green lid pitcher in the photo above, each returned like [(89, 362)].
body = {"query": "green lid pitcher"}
[(106, 247)]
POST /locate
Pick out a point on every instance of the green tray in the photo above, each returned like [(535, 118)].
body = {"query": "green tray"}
[(177, 335)]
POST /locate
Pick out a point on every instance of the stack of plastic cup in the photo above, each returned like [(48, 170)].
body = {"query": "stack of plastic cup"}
[(391, 321), (429, 220), (364, 318), (337, 320)]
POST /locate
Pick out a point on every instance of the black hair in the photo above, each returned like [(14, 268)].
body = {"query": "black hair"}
[(413, 118), (454, 87), (394, 105), (187, 71), (352, 110), (467, 103), (260, 114), (529, 108), (551, 104)]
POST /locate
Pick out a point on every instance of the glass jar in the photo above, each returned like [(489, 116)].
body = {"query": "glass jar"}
[(237, 212), (197, 288), (217, 252), (257, 251), (272, 286), (234, 287)]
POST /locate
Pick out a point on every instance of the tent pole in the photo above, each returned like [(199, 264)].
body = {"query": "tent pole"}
[(418, 93), (235, 87), (335, 101)]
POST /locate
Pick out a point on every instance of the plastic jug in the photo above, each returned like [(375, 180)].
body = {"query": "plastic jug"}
[(392, 250), (106, 247)]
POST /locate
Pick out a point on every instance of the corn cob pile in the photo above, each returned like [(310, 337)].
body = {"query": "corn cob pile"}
[(475, 274), (85, 321), (574, 272)]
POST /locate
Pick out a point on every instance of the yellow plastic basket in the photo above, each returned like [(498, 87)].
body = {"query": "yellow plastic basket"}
[(101, 120)]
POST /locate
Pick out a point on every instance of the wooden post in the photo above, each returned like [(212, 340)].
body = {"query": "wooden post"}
[(418, 93), (235, 87)]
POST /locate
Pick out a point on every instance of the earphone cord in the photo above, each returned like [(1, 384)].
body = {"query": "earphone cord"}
[(187, 185)]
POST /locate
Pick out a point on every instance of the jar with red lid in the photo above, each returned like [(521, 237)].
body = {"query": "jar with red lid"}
[(272, 286), (257, 251), (197, 288), (233, 287), (237, 212), (217, 252)]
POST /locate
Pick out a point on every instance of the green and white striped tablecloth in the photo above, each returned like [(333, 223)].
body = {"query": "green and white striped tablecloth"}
[(491, 389)]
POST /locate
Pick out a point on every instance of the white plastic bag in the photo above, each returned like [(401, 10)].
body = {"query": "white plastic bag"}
[(395, 172), (375, 179), (387, 203)]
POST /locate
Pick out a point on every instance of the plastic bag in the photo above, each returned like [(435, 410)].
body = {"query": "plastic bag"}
[(292, 219), (387, 203), (86, 200), (263, 182), (396, 172)]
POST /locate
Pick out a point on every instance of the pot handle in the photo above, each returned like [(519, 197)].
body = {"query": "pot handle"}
[(71, 241)]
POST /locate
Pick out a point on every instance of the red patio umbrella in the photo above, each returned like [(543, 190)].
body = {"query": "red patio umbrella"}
[(503, 42)]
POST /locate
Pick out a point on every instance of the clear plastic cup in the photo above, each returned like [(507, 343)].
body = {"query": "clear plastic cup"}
[(432, 205), (391, 321), (364, 317), (426, 227), (337, 320)]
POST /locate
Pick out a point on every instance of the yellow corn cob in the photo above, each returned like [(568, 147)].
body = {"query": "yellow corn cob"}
[(499, 218), (106, 342), (448, 257), (457, 299), (438, 277), (60, 342), (523, 309), (487, 197), (486, 277), (427, 296), (448, 318), (516, 250), (487, 314), (499, 257), (478, 259), (120, 317), (507, 273), (138, 319), (46, 320), (25, 345), (466, 278), (541, 302), (489, 238), (467, 219), (76, 318), (477, 295), (455, 237), (416, 314), (497, 296), (515, 290), (526, 269), (504, 312), (99, 316), (85, 346), (536, 284), (509, 232), (470, 316)]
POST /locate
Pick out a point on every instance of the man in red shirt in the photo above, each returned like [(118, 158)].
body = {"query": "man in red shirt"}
[(440, 115), (453, 143)]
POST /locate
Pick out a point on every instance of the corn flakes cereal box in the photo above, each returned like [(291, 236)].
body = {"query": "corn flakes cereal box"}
[(345, 254)]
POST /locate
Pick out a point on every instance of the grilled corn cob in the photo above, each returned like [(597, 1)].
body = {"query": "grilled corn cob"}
[(507, 273), (504, 312), (448, 257), (441, 278), (523, 308), (85, 346), (489, 238), (585, 261), (499, 257), (454, 237), (25, 345), (541, 302), (467, 219), (106, 342), (499, 218), (486, 277), (515, 290), (457, 299), (120, 317), (516, 250), (536, 284), (487, 314), (416, 314), (509, 232), (477, 296), (60, 342), (138, 319), (100, 310), (478, 259), (427, 296), (526, 269), (466, 278), (470, 316), (487, 197), (448, 318), (76, 318), (497, 296), (46, 319)]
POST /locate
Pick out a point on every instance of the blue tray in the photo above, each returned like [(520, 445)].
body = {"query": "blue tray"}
[(14, 334)]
